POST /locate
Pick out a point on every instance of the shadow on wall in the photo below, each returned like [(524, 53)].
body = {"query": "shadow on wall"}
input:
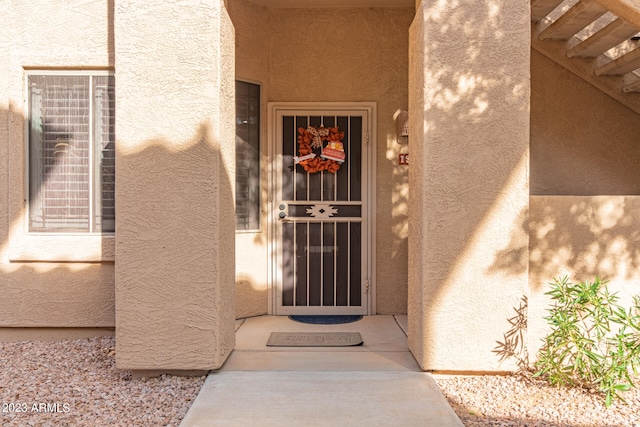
[(514, 340), (73, 294), (473, 97), (590, 235), (576, 236), (399, 236), (49, 294), (514, 259), (251, 245), (45, 294), (10, 122), (587, 235), (582, 141), (251, 297), (170, 190), (175, 249), (476, 114)]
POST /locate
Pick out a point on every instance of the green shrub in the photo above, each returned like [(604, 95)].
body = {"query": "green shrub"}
[(594, 342)]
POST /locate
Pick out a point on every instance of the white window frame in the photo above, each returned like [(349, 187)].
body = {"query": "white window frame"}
[(77, 246)]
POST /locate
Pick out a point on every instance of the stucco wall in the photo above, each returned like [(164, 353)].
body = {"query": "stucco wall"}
[(340, 54), (356, 55), (251, 25), (469, 179), (583, 142), (581, 237), (584, 178), (42, 34), (175, 212)]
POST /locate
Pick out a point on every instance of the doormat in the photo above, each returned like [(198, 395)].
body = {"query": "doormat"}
[(325, 320), (314, 339)]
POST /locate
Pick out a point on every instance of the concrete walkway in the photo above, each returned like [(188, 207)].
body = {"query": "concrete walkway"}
[(376, 384)]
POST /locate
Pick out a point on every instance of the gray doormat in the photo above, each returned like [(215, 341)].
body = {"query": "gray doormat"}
[(314, 339)]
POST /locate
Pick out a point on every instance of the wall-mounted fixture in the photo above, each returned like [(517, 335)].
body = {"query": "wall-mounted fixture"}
[(402, 127)]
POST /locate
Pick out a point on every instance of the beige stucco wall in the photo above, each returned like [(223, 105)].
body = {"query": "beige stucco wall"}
[(584, 184), (345, 54), (469, 179), (251, 25), (583, 142), (581, 237), (371, 66), (175, 100), (42, 34)]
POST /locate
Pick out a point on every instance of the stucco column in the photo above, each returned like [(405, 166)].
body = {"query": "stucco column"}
[(469, 179), (175, 222)]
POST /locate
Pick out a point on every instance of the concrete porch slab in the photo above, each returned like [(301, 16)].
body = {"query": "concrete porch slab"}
[(320, 361), (379, 333), (377, 384), (384, 347)]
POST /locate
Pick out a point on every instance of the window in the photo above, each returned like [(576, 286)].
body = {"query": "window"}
[(71, 152), (247, 156)]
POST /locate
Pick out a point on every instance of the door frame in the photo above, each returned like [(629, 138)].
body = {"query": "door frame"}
[(369, 156)]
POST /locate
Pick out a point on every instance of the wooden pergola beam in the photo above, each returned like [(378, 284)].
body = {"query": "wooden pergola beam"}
[(541, 8), (612, 35), (575, 19)]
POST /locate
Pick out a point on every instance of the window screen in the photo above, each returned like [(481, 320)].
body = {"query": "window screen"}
[(247, 156), (71, 153)]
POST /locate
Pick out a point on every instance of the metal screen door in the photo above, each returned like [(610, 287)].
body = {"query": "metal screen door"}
[(320, 217)]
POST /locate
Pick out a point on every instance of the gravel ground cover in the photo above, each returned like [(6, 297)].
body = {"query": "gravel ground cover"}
[(76, 383), (519, 401)]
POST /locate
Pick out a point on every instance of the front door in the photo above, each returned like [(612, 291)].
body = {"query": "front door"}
[(321, 235)]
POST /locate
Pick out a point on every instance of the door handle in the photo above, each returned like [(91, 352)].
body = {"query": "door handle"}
[(282, 215), (283, 218)]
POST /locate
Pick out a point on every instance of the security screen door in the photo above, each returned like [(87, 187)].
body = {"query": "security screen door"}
[(320, 209)]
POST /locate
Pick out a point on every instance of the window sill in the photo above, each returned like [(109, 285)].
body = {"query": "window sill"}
[(258, 231), (63, 248)]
